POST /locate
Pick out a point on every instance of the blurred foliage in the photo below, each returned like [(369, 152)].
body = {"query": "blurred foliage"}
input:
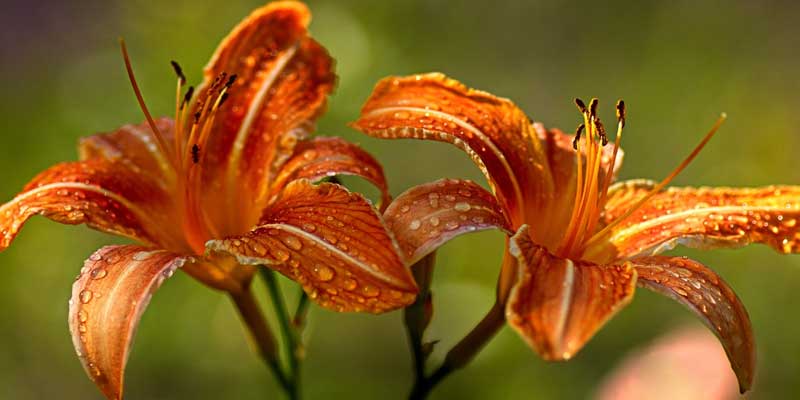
[(677, 64)]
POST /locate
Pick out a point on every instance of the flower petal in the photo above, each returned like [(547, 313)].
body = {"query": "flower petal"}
[(283, 79), (104, 195), (558, 304), (710, 298), (703, 218), (135, 147), (496, 134), (322, 157), (426, 216), (108, 299), (333, 243)]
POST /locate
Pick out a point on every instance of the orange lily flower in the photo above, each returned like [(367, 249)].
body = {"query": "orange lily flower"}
[(577, 245), (225, 186)]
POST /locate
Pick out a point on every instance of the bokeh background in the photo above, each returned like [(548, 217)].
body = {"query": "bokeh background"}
[(677, 64)]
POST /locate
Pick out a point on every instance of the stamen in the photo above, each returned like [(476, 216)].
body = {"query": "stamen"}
[(187, 97), (661, 184), (577, 136), (178, 71), (195, 153), (159, 137), (581, 105)]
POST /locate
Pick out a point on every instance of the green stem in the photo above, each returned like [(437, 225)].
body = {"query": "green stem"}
[(417, 316), (290, 338), (463, 352), (300, 312), (259, 331)]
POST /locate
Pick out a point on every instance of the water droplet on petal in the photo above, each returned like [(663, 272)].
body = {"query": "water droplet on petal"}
[(86, 296), (414, 225), (350, 284), (83, 316), (463, 207), (370, 291), (98, 273), (323, 273), (142, 255), (293, 242), (434, 221)]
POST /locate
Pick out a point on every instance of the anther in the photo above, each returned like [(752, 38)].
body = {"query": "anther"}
[(187, 97), (601, 131), (581, 105), (231, 80), (195, 153), (593, 108), (178, 71), (222, 99), (621, 112), (577, 133)]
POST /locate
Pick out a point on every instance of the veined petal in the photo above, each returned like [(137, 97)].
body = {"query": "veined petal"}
[(283, 79), (104, 195), (333, 243), (702, 217), (135, 147), (426, 216), (323, 157), (558, 304), (496, 134), (710, 298), (108, 299)]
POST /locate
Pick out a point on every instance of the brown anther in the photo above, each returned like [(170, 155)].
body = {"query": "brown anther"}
[(187, 97), (222, 99), (621, 112), (178, 71), (197, 117), (581, 105), (195, 153), (577, 134), (231, 80), (593, 107), (601, 131)]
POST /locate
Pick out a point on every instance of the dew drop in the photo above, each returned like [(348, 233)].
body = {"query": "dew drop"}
[(370, 291), (414, 225), (281, 255), (434, 221), (451, 225), (404, 209), (293, 242), (98, 273), (142, 255), (83, 316), (86, 296), (463, 207), (96, 257), (350, 284), (323, 273)]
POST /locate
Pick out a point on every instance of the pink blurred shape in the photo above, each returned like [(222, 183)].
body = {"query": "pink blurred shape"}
[(687, 364)]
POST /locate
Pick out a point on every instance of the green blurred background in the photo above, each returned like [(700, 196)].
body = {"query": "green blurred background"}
[(677, 64)]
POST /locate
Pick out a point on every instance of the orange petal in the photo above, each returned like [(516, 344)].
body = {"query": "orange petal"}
[(710, 298), (496, 134), (108, 299), (558, 304), (322, 157), (104, 195), (135, 147), (333, 243), (426, 216), (703, 218), (283, 79)]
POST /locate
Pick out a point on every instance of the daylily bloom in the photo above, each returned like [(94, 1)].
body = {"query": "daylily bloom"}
[(577, 245), (225, 186)]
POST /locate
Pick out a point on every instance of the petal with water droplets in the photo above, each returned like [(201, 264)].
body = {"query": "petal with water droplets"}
[(323, 157), (135, 147), (283, 79), (108, 300), (102, 194), (426, 216), (495, 133), (702, 218), (558, 304), (332, 242), (710, 298)]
